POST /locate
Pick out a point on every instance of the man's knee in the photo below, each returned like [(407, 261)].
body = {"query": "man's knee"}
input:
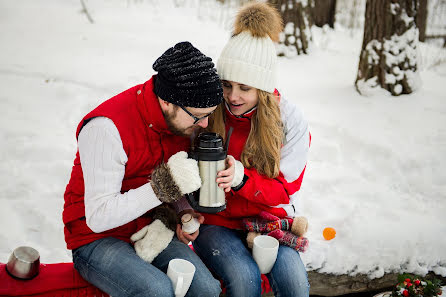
[(162, 288), (205, 287)]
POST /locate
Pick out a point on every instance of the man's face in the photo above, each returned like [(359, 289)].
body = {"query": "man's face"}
[(182, 124)]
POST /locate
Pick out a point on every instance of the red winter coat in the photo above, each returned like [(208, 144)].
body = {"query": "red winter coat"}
[(147, 142), (260, 193)]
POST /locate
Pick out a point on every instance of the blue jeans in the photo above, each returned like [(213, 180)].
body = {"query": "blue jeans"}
[(113, 266), (224, 251)]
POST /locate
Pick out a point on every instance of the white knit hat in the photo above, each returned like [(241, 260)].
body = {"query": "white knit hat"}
[(250, 57), (249, 60)]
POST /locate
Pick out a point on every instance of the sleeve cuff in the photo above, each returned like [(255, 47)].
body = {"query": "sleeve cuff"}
[(237, 188)]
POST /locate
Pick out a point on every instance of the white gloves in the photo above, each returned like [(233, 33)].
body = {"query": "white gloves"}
[(184, 172), (239, 172), (151, 240)]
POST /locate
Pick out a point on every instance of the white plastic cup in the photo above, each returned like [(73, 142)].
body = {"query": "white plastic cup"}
[(264, 252), (181, 273)]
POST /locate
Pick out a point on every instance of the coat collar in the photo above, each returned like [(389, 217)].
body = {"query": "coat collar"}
[(247, 115), (243, 117), (150, 109)]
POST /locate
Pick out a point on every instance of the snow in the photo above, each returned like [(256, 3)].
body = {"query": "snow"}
[(376, 171), (398, 50)]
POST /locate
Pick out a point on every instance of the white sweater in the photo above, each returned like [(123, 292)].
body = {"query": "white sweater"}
[(103, 161)]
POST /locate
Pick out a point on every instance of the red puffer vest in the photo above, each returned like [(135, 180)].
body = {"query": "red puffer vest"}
[(147, 142)]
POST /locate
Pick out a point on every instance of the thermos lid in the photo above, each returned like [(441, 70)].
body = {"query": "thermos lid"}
[(209, 140), (209, 147)]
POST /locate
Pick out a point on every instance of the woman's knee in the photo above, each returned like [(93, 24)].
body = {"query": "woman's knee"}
[(244, 281), (289, 276)]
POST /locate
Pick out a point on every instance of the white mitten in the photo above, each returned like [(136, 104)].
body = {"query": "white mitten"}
[(179, 176), (184, 172), (239, 172), (151, 240)]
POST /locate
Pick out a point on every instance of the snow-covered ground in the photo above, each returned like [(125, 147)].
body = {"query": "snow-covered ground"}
[(377, 166)]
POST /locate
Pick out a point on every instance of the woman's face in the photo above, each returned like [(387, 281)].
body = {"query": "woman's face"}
[(239, 97)]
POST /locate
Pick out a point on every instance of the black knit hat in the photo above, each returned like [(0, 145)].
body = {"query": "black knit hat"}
[(187, 77)]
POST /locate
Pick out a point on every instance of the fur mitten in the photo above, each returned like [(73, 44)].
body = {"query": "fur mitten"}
[(151, 240), (178, 177)]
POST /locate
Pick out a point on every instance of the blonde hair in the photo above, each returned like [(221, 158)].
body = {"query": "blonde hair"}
[(262, 148)]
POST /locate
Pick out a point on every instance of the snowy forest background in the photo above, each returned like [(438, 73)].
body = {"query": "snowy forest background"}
[(376, 171)]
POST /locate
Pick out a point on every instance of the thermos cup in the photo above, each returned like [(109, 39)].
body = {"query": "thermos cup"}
[(24, 263), (210, 152)]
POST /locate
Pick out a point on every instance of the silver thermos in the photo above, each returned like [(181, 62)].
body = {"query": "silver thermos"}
[(210, 152)]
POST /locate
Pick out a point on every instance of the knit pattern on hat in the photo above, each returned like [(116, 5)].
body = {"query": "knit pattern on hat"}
[(249, 57), (187, 77), (249, 60)]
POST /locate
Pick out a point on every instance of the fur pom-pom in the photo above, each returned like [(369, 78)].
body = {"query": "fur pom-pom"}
[(260, 19), (299, 226), (250, 238)]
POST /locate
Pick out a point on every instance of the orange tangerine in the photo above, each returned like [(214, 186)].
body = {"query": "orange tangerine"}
[(329, 233)]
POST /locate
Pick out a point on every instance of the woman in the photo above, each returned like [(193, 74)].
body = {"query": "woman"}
[(270, 142)]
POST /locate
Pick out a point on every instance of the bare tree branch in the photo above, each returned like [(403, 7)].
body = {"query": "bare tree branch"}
[(85, 10)]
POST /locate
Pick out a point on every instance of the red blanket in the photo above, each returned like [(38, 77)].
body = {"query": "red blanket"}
[(60, 279)]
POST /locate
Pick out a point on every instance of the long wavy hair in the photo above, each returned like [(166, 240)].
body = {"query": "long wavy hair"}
[(262, 148)]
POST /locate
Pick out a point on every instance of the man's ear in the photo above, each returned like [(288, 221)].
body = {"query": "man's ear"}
[(164, 104)]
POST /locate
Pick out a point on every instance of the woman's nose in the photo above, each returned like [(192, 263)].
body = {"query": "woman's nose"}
[(233, 95)]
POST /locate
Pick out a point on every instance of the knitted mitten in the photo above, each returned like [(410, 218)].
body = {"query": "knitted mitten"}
[(267, 222), (287, 238)]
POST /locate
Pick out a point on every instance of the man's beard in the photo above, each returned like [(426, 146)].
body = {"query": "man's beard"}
[(185, 132)]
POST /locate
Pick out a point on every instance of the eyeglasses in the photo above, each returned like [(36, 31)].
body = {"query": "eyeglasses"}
[(196, 120)]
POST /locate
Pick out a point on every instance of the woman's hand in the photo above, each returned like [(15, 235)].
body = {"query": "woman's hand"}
[(225, 177), (183, 236)]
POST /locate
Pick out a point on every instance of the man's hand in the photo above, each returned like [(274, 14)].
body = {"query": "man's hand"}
[(183, 236), (179, 176), (184, 172)]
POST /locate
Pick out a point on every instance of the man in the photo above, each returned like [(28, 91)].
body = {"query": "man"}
[(123, 169)]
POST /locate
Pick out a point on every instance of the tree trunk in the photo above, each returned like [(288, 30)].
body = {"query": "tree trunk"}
[(388, 57), (296, 37), (421, 19), (324, 12)]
